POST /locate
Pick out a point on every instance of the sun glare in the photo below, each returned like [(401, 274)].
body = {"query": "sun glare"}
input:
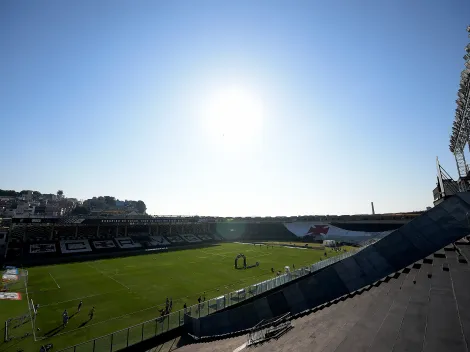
[(234, 115)]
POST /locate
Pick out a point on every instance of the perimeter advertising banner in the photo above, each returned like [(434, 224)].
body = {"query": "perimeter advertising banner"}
[(11, 296)]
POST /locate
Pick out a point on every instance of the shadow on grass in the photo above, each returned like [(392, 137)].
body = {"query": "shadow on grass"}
[(61, 327)]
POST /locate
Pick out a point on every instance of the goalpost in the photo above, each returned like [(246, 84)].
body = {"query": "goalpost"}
[(31, 307), (13, 326)]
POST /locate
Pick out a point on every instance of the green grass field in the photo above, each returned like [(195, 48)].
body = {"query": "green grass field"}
[(128, 291)]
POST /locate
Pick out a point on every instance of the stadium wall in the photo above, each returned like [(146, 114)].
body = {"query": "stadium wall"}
[(438, 227)]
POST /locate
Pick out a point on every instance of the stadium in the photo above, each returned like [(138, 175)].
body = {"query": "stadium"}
[(325, 283), (133, 264), (133, 273)]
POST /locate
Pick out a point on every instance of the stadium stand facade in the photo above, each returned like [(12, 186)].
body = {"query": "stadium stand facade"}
[(377, 268), (45, 240)]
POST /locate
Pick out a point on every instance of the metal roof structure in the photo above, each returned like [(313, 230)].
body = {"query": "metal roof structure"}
[(460, 135)]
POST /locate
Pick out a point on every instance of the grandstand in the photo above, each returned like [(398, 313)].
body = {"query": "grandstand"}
[(47, 239), (278, 306)]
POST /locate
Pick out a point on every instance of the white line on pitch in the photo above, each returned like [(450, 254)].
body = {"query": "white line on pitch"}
[(54, 280), (81, 298), (103, 273)]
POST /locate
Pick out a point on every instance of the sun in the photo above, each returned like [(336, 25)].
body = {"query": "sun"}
[(234, 115)]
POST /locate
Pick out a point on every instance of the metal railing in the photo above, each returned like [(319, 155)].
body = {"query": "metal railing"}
[(134, 334)]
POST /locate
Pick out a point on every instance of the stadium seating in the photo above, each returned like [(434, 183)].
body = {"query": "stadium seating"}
[(29, 243)]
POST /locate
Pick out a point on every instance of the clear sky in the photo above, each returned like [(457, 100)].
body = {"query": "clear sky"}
[(231, 107)]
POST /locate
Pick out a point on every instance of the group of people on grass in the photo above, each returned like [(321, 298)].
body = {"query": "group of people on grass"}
[(168, 307), (66, 318)]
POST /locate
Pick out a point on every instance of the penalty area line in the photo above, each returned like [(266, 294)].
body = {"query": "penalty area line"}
[(54, 280)]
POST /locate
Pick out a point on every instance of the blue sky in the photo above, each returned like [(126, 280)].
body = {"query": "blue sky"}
[(343, 102)]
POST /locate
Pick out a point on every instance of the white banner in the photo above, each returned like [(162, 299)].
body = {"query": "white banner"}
[(10, 278), (42, 248), (190, 238), (175, 239), (104, 244), (126, 242), (11, 271), (158, 241), (75, 246), (12, 296), (325, 231)]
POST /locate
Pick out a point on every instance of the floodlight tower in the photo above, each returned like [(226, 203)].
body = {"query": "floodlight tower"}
[(461, 128)]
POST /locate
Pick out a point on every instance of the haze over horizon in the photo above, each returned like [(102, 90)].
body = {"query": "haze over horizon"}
[(246, 108)]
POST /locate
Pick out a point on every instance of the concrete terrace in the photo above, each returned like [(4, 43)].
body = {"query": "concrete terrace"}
[(423, 307)]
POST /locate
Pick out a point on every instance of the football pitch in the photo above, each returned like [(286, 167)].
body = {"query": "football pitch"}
[(128, 291)]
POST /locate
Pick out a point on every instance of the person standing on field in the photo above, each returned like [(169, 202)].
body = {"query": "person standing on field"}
[(92, 312)]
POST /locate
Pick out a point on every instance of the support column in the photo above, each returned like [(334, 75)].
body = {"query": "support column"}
[(98, 231), (76, 231)]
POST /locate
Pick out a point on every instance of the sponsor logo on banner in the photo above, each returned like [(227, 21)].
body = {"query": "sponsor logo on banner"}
[(9, 278), (104, 244), (12, 296), (126, 242), (42, 248), (11, 271), (75, 246), (190, 238)]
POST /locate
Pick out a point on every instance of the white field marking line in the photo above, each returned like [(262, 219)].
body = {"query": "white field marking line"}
[(102, 273), (220, 255), (242, 347), (29, 309), (54, 280), (81, 298)]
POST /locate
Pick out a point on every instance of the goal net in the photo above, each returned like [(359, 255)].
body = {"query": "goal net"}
[(15, 287)]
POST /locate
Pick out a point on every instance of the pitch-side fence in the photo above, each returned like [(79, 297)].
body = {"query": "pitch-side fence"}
[(151, 328)]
